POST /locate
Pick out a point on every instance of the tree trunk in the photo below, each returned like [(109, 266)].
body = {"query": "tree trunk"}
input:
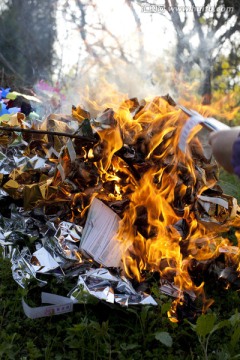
[(207, 86)]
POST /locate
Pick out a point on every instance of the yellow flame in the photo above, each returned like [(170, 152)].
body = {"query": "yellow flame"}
[(164, 193)]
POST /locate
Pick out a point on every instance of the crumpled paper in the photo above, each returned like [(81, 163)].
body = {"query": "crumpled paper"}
[(50, 182), (57, 254), (101, 284)]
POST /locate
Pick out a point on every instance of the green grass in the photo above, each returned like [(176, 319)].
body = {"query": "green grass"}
[(230, 184), (102, 332)]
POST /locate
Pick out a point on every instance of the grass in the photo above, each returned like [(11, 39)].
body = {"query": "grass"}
[(230, 184), (102, 332), (138, 333)]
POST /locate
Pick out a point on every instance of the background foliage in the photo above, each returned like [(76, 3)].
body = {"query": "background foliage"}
[(35, 37), (27, 35)]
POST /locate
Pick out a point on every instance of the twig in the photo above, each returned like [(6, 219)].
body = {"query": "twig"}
[(9, 66), (53, 133)]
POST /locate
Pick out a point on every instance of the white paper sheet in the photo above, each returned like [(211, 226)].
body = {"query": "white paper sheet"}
[(210, 123), (98, 238), (61, 305)]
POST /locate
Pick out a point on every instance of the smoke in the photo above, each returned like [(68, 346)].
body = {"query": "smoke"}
[(120, 52), (108, 86)]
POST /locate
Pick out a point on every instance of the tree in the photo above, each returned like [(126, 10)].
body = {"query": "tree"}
[(213, 28), (98, 45), (203, 35), (27, 35)]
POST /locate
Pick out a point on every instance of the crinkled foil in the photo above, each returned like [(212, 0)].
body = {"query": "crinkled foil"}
[(55, 251), (22, 270), (101, 284), (46, 179)]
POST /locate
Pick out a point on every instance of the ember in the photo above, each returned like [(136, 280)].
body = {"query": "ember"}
[(159, 210)]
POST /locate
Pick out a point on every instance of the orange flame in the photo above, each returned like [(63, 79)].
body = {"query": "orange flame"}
[(163, 195)]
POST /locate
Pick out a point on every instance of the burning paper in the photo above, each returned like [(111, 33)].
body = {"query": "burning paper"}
[(116, 193), (196, 119)]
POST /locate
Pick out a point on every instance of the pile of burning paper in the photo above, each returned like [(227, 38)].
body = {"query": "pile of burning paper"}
[(112, 201)]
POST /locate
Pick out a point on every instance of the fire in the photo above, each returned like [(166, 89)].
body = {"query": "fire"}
[(128, 156), (155, 245), (161, 196)]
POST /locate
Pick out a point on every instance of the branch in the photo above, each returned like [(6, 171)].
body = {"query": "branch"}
[(82, 28), (197, 21), (46, 132), (206, 3), (119, 47), (9, 66), (228, 33), (178, 24)]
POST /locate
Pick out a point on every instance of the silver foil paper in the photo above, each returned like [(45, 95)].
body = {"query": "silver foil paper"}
[(57, 253), (103, 285)]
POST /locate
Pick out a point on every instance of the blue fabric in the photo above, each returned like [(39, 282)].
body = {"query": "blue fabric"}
[(3, 108), (236, 157), (4, 92)]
